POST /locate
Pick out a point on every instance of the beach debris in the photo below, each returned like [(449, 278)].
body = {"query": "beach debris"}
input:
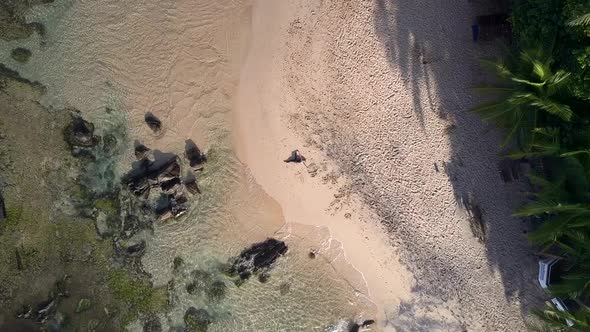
[(194, 155), (21, 55), (258, 258), (197, 320), (153, 122), (295, 157)]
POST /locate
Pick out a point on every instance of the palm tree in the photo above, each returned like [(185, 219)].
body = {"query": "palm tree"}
[(556, 320), (528, 90), (583, 20)]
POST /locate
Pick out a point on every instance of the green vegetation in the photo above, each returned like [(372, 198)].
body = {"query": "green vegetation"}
[(542, 100), (137, 295)]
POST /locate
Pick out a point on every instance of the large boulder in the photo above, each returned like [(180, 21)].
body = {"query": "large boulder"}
[(257, 258)]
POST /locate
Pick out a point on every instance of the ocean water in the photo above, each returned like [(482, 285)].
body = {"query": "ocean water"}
[(180, 59)]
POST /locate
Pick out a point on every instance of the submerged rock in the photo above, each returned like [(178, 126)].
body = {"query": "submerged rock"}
[(259, 257), (197, 320), (192, 186), (153, 122), (194, 155), (79, 135), (217, 290), (21, 55)]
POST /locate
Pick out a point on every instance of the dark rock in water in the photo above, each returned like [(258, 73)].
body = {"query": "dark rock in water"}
[(141, 151), (172, 187), (2, 208), (194, 155), (136, 249), (153, 122), (45, 309), (152, 325), (80, 133), (192, 187), (168, 170), (217, 290), (139, 186), (356, 327), (197, 320), (260, 256), (295, 157), (21, 55), (178, 205)]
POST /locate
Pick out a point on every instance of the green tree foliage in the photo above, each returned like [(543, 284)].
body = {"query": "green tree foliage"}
[(542, 100)]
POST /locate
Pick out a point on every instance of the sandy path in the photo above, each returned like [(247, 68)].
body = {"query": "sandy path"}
[(375, 94)]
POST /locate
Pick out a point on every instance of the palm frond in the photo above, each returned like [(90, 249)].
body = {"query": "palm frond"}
[(583, 20)]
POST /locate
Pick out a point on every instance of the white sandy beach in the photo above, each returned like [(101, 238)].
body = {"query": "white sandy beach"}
[(375, 94)]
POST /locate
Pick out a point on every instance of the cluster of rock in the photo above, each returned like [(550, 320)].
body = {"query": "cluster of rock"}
[(258, 259), (162, 173)]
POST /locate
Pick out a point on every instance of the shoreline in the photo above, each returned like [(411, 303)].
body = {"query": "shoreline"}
[(264, 140)]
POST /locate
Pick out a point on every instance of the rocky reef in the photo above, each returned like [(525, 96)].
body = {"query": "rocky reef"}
[(59, 189)]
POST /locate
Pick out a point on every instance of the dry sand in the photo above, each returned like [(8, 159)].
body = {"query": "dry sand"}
[(375, 94)]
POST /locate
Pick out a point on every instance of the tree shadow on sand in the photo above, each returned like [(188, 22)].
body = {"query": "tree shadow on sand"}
[(434, 67)]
